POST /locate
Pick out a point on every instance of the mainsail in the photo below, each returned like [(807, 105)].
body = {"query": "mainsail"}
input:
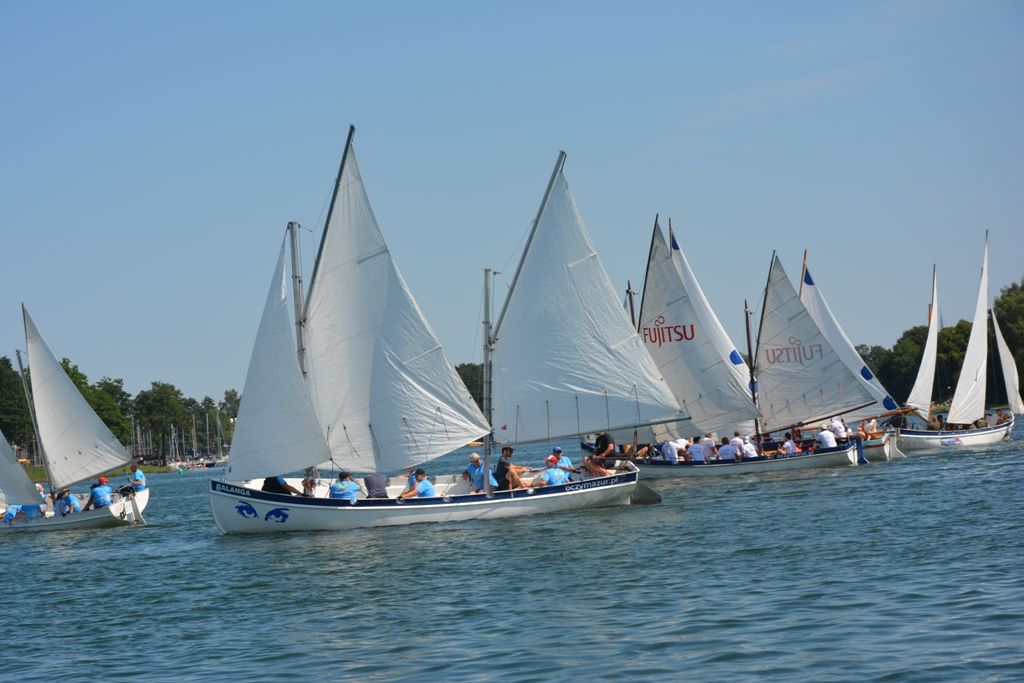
[(814, 301), (567, 359), (968, 405), (1009, 370), (382, 387), (800, 376), (75, 443), (14, 481), (921, 394), (701, 365), (277, 430)]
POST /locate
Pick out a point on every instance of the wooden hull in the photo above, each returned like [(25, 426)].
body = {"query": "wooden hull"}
[(240, 508), (922, 440), (844, 455), (119, 513), (882, 448)]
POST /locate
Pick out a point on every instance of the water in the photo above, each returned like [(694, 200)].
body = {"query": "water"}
[(902, 571)]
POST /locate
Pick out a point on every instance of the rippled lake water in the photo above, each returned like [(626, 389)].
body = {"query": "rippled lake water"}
[(905, 571)]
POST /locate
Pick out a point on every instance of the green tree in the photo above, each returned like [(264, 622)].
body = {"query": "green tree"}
[(157, 409), (472, 375), (15, 420)]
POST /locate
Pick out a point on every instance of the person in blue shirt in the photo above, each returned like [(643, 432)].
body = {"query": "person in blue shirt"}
[(101, 495), (563, 460), (553, 475), (11, 514), (345, 488), (422, 488), (137, 478), (475, 474), (66, 504)]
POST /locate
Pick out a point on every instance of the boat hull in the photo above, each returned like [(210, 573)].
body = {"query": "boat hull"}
[(882, 448), (119, 513), (240, 508), (831, 458), (923, 440)]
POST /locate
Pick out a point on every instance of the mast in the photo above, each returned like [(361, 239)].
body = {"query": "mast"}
[(35, 424), (486, 398), (650, 253), (753, 351), (526, 250), (300, 314), (750, 368), (803, 274), (330, 212), (629, 298)]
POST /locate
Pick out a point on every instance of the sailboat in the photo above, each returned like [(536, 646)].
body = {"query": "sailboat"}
[(880, 447), (74, 443), (968, 404), (365, 386)]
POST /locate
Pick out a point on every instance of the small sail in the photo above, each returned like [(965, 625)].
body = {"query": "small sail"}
[(277, 430), (382, 386), (814, 301), (75, 442), (800, 376), (567, 359), (968, 403), (14, 482), (691, 348), (921, 394), (1009, 370)]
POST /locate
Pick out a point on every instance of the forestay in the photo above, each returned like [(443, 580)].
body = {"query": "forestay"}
[(814, 301), (968, 403), (683, 335), (75, 442), (567, 359), (800, 376), (382, 386), (277, 430), (14, 481), (920, 396), (1009, 370)]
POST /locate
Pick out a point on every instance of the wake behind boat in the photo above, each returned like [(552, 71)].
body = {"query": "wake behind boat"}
[(366, 387)]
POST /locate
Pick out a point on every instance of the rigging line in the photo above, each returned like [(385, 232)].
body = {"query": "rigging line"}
[(352, 445), (412, 436)]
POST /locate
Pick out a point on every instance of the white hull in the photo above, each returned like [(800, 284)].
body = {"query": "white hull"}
[(119, 513), (832, 458), (241, 508), (921, 440)]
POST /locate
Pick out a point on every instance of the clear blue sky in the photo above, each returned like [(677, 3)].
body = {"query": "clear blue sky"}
[(152, 153)]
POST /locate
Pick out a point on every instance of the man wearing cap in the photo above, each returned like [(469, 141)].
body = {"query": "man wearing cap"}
[(563, 460), (345, 488), (100, 496), (552, 476), (66, 504), (422, 488), (825, 437), (749, 449), (474, 472)]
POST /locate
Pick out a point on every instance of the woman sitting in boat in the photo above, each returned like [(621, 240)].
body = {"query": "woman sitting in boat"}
[(552, 476), (422, 488)]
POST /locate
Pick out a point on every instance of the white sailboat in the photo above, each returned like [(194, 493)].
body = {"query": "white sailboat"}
[(883, 446), (379, 394), (75, 444), (968, 404), (15, 484)]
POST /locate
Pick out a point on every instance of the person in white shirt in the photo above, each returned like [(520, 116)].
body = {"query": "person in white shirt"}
[(669, 452), (737, 443), (838, 428), (749, 449), (726, 451), (826, 439), (695, 452), (708, 445), (789, 447)]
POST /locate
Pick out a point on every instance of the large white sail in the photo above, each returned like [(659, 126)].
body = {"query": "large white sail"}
[(75, 442), (277, 430), (14, 481), (567, 359), (814, 301), (691, 348), (381, 384), (968, 405), (800, 376), (920, 396), (1009, 370)]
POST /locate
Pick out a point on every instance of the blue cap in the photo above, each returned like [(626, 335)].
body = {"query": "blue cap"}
[(556, 449)]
